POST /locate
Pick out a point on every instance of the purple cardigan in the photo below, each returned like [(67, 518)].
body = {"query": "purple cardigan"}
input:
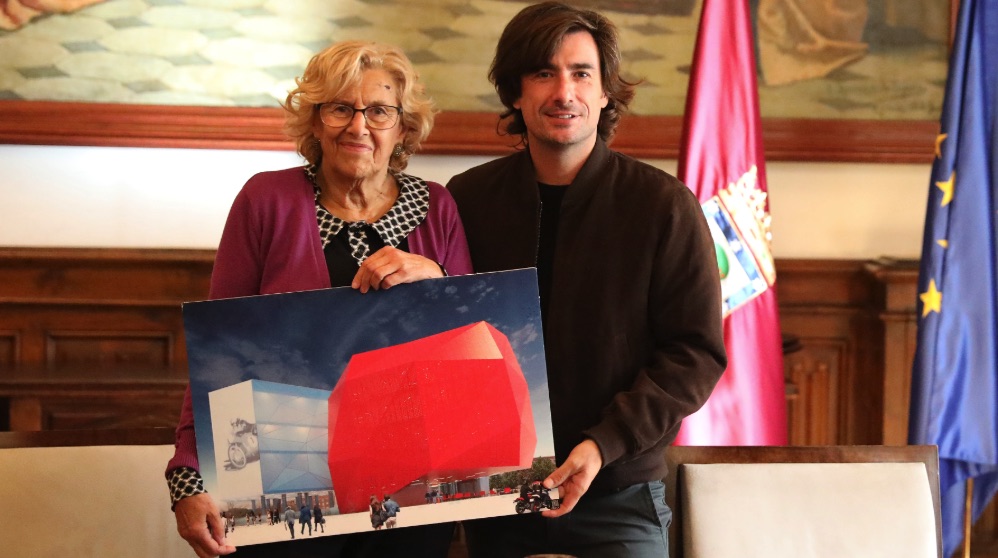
[(271, 244)]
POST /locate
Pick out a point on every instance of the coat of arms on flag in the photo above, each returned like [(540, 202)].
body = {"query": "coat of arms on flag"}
[(740, 224)]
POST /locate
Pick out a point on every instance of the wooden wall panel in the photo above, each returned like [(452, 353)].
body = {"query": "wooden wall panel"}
[(93, 338), (58, 333), (834, 378), (897, 298), (984, 535), (8, 349), (107, 276), (109, 348), (813, 411), (122, 410), (87, 306), (95, 396)]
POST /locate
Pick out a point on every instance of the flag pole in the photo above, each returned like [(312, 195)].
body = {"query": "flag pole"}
[(968, 504)]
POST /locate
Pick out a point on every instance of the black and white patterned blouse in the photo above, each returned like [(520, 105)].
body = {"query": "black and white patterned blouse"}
[(408, 211)]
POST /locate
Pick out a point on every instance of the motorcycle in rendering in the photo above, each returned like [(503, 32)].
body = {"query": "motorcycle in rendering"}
[(535, 499), (243, 445)]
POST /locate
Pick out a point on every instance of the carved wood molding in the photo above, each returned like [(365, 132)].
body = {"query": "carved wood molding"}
[(455, 133)]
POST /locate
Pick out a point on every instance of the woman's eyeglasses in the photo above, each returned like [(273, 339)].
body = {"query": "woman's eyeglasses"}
[(379, 117)]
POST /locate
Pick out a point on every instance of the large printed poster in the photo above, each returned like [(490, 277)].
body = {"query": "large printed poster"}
[(430, 397)]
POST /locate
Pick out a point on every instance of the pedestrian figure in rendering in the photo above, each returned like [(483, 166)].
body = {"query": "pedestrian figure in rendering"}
[(319, 520), (377, 513), (305, 518), (391, 510), (289, 518)]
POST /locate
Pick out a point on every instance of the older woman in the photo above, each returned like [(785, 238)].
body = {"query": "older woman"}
[(350, 216)]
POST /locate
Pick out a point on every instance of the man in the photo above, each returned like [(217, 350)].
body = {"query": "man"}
[(391, 510), (629, 286), (289, 517), (305, 518)]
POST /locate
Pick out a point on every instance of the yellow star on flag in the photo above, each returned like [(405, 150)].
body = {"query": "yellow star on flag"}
[(932, 300), (939, 145), (944, 243), (947, 188)]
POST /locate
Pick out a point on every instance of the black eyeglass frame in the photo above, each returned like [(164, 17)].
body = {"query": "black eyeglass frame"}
[(363, 110)]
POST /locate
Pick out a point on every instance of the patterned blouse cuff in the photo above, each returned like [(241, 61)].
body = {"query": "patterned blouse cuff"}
[(184, 482)]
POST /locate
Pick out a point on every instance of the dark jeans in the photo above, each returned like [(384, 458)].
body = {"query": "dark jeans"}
[(633, 522)]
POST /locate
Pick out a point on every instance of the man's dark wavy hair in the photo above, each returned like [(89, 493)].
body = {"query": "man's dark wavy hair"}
[(530, 40)]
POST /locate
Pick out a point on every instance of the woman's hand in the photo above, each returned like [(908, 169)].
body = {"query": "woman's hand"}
[(390, 266), (199, 523)]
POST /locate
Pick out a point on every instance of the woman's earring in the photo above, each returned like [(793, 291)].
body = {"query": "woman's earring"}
[(397, 152)]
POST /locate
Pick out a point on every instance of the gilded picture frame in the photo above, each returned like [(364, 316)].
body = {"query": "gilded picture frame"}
[(893, 122)]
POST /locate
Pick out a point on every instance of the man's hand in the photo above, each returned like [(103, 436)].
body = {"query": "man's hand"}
[(574, 476), (200, 524), (390, 266)]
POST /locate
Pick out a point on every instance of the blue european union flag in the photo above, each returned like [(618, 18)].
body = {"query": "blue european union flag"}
[(954, 397)]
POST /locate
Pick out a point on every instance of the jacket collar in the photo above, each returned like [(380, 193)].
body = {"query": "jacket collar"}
[(581, 188)]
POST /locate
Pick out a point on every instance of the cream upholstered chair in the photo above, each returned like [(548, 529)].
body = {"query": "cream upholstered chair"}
[(87, 493), (802, 502)]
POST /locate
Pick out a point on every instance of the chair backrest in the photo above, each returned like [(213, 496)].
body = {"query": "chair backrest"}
[(87, 493), (804, 501)]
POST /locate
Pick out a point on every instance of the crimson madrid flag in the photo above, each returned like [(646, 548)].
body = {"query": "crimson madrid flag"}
[(721, 160), (954, 392)]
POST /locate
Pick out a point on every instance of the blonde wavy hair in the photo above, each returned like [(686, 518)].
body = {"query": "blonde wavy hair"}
[(341, 66)]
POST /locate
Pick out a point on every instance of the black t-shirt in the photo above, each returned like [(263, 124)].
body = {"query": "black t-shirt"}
[(551, 197)]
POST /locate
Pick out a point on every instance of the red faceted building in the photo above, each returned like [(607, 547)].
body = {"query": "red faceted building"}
[(445, 408)]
